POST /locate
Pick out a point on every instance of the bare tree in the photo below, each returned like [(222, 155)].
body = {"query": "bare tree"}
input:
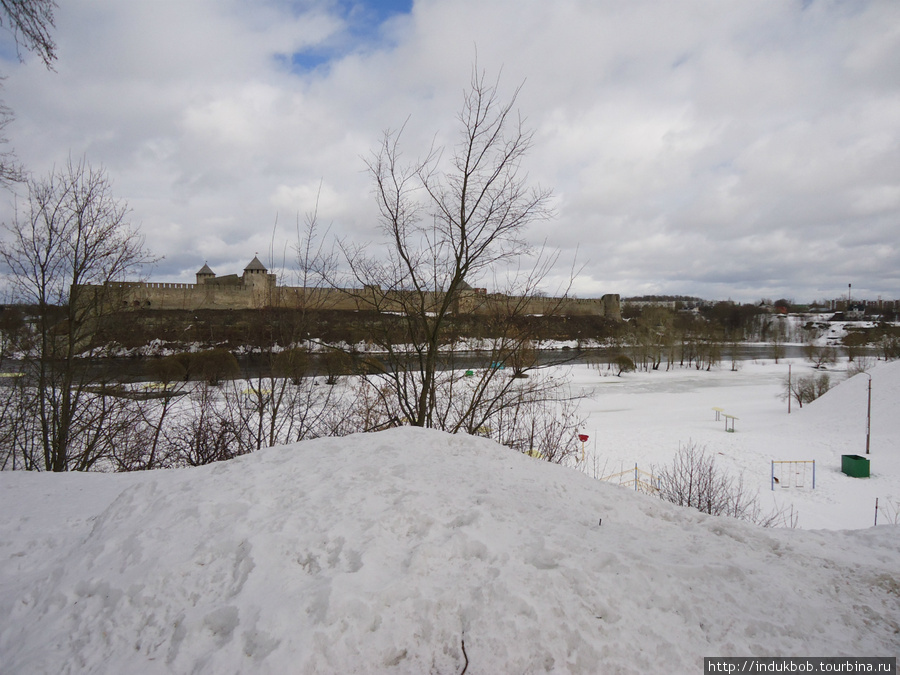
[(30, 22), (890, 347), (153, 412), (18, 430), (820, 355), (202, 435), (449, 220), (66, 255), (315, 265), (806, 388), (861, 364), (544, 428), (10, 169), (652, 337), (694, 480), (778, 338)]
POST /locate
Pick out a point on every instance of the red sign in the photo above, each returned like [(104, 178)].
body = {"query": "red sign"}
[(583, 438)]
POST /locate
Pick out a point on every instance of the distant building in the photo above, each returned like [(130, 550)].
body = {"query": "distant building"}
[(855, 311), (257, 289)]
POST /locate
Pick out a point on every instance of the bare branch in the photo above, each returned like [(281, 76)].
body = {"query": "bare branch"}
[(30, 22)]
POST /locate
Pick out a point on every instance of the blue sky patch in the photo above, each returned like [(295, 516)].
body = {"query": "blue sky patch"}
[(363, 30), (385, 9)]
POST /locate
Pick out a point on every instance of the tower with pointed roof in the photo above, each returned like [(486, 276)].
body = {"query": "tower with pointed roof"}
[(204, 273), (255, 273), (259, 282), (255, 267)]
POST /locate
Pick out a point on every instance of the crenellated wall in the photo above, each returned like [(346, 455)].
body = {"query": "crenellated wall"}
[(257, 289)]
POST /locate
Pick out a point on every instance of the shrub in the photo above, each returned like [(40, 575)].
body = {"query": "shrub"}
[(890, 347), (168, 369), (806, 388), (623, 364), (522, 359), (861, 364), (215, 365), (820, 355), (694, 480), (292, 364), (336, 363)]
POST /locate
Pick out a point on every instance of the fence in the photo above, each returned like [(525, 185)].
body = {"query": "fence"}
[(640, 480)]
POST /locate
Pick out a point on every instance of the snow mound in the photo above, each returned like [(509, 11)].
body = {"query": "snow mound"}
[(413, 551), (844, 407), (835, 425)]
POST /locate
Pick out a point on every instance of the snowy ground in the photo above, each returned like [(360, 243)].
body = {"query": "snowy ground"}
[(641, 418), (411, 551)]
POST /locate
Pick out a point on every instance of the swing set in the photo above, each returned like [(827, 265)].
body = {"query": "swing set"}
[(793, 473)]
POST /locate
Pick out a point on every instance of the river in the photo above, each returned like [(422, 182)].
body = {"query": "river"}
[(255, 365)]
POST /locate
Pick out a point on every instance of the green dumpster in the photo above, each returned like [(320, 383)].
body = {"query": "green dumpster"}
[(855, 466)]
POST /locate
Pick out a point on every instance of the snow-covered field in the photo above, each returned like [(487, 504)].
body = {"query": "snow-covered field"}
[(411, 551), (641, 418)]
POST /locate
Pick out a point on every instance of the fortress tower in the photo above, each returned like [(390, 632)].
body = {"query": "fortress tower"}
[(255, 273), (205, 274)]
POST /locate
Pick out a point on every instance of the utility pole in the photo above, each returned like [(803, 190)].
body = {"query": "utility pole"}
[(869, 416), (789, 389)]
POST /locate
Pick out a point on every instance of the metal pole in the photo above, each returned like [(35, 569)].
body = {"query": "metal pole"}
[(869, 416), (789, 389)]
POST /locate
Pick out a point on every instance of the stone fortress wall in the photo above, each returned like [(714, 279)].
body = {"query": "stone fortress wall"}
[(257, 289)]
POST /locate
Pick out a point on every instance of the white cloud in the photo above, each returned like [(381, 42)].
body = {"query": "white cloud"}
[(694, 146)]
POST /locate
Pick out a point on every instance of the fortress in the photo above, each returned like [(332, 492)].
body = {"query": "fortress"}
[(257, 289)]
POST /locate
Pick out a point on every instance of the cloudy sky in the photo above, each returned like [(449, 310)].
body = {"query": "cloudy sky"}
[(725, 149)]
